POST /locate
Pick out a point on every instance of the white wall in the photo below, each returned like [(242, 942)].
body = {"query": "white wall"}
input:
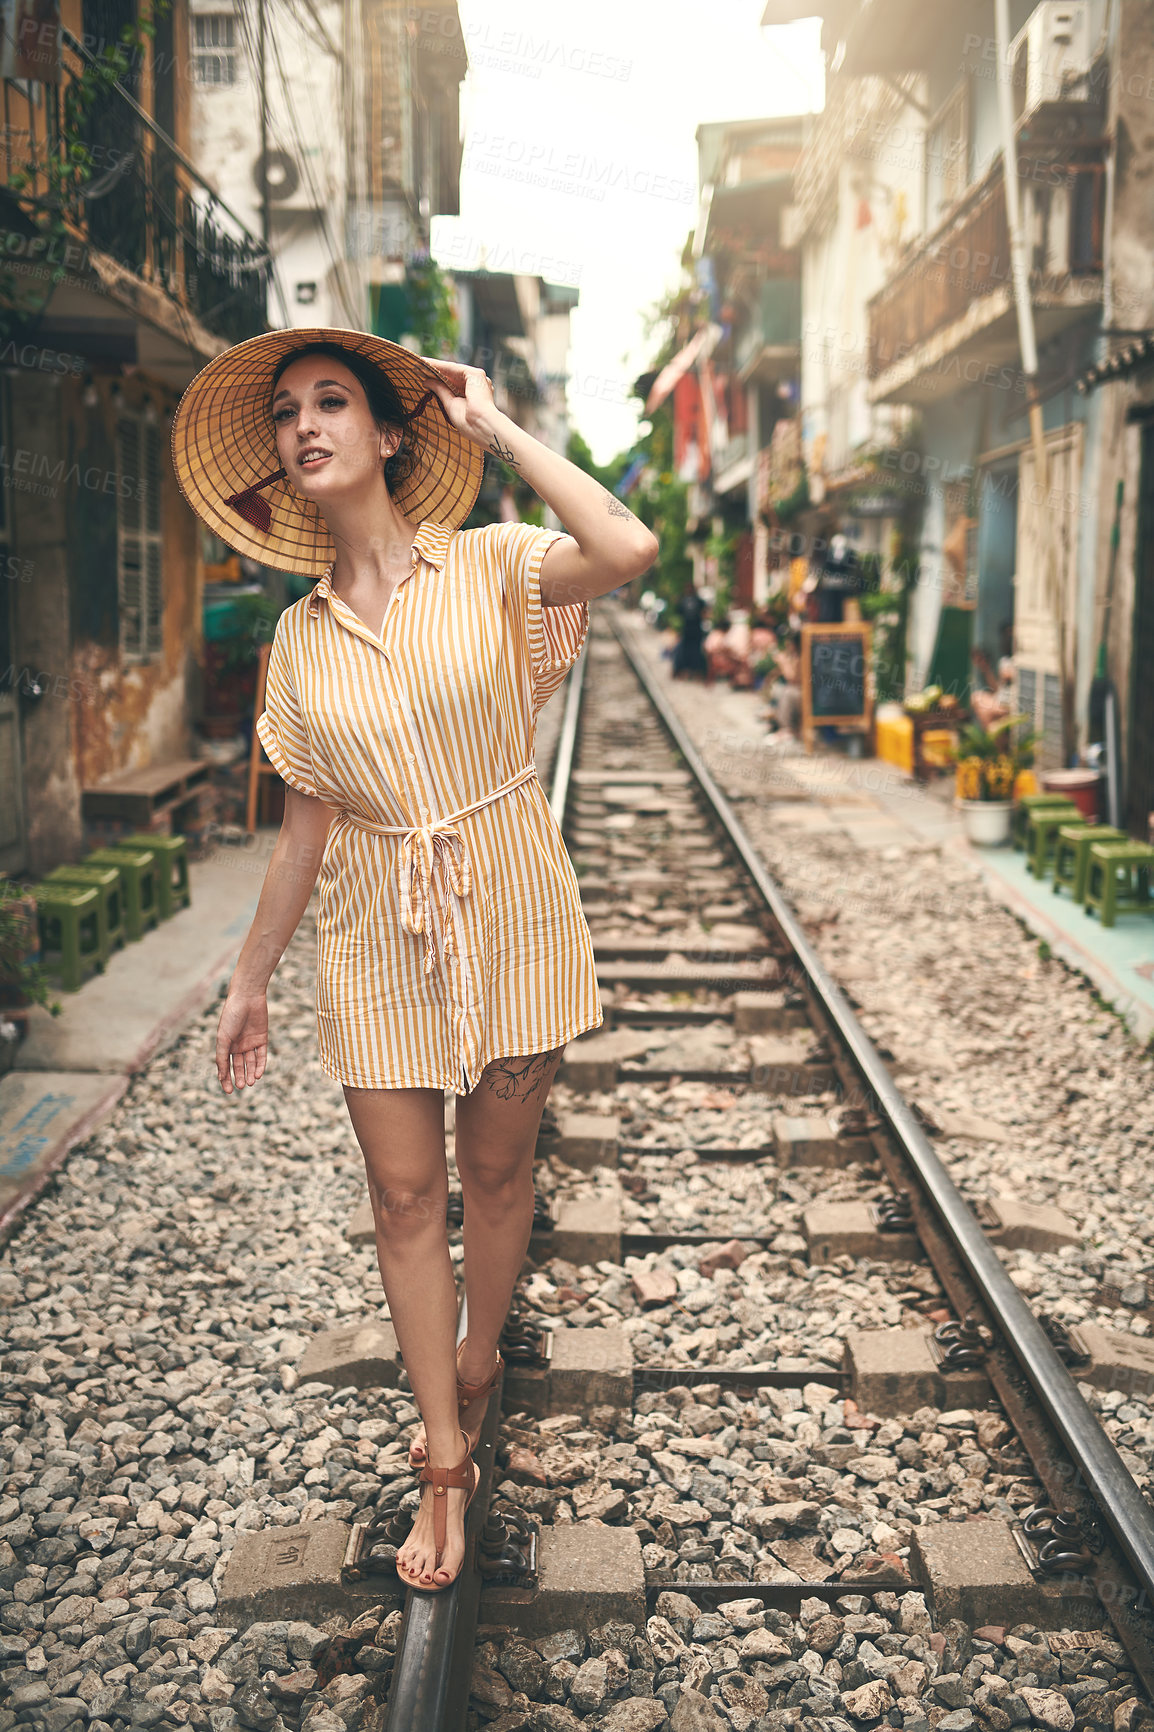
[(305, 103), (847, 262)]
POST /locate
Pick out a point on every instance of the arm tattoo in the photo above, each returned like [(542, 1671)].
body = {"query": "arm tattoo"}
[(617, 507), (504, 452)]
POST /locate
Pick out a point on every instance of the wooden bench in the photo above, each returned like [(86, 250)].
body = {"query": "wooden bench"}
[(151, 798)]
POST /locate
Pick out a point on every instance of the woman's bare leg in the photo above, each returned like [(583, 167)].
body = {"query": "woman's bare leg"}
[(402, 1137), (496, 1136)]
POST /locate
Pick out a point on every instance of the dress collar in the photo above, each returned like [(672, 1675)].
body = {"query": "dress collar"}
[(431, 541)]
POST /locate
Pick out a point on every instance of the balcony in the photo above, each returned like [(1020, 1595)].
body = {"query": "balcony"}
[(733, 464), (768, 348), (149, 237), (946, 319)]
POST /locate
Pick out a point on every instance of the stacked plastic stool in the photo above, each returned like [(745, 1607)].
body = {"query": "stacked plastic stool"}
[(173, 890), (1118, 879), (69, 919), (138, 878), (1027, 804), (1042, 828), (105, 880), (1072, 855)]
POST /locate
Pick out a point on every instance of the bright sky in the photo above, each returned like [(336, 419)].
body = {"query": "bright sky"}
[(579, 161)]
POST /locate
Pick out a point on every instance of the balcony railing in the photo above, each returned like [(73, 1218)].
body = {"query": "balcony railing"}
[(775, 324), (968, 256), (140, 200)]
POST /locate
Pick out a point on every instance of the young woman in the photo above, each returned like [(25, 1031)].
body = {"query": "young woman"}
[(401, 705)]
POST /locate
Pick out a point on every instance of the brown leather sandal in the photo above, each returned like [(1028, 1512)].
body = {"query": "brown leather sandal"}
[(466, 1474), (466, 1393)]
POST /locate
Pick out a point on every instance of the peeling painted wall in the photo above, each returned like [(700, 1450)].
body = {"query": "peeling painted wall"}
[(98, 715), (128, 716)]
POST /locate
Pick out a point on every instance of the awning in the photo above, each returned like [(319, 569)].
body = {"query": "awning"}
[(885, 37), (702, 343)]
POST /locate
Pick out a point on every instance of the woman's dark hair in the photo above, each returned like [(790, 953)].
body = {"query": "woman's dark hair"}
[(385, 405)]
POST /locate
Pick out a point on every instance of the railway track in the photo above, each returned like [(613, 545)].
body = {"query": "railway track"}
[(779, 1443), (710, 984)]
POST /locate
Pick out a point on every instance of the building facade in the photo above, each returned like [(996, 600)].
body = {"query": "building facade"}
[(1017, 521), (334, 130), (125, 271)]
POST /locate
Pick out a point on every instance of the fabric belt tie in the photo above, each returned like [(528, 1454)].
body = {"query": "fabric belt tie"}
[(422, 847)]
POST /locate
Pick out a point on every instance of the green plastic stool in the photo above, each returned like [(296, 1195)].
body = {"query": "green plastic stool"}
[(69, 919), (1042, 834), (172, 887), (1072, 855), (1118, 881), (1020, 820), (106, 881), (138, 875)]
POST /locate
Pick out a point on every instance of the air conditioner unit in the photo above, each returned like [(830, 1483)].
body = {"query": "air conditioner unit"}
[(1050, 56), (288, 188)]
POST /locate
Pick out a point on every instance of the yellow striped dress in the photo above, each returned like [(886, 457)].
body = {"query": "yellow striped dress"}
[(449, 922)]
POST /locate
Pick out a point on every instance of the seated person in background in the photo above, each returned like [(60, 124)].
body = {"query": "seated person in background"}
[(989, 699), (783, 686), (689, 656), (738, 641), (761, 639), (718, 655)]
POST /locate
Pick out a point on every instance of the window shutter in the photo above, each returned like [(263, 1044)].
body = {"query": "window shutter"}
[(139, 480)]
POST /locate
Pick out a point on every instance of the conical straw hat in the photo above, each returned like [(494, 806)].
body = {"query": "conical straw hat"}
[(223, 446)]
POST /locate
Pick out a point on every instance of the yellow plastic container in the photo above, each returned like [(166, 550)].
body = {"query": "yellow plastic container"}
[(1025, 782), (937, 744), (895, 741)]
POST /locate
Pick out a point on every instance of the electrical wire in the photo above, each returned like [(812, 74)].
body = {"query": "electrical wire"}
[(336, 262), (322, 37), (321, 205)]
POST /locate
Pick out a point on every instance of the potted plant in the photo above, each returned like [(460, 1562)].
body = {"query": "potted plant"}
[(230, 662), (988, 762), (23, 981)]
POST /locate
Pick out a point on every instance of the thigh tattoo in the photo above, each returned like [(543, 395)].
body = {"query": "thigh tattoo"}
[(519, 1078)]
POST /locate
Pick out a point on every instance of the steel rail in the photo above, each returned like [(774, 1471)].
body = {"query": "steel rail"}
[(429, 1689), (567, 740), (1105, 1475)]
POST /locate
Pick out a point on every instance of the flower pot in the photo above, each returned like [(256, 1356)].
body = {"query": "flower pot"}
[(987, 822), (1082, 787)]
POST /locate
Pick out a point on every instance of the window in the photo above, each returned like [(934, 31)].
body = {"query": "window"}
[(214, 48), (139, 463), (947, 154)]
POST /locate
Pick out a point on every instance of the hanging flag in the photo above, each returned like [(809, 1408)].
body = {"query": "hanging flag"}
[(630, 478)]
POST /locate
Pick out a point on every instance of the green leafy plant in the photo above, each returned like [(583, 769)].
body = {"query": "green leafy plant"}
[(433, 319), (976, 741), (17, 930), (787, 508), (988, 760)]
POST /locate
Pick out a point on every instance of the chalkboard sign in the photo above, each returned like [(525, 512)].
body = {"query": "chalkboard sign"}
[(835, 677)]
